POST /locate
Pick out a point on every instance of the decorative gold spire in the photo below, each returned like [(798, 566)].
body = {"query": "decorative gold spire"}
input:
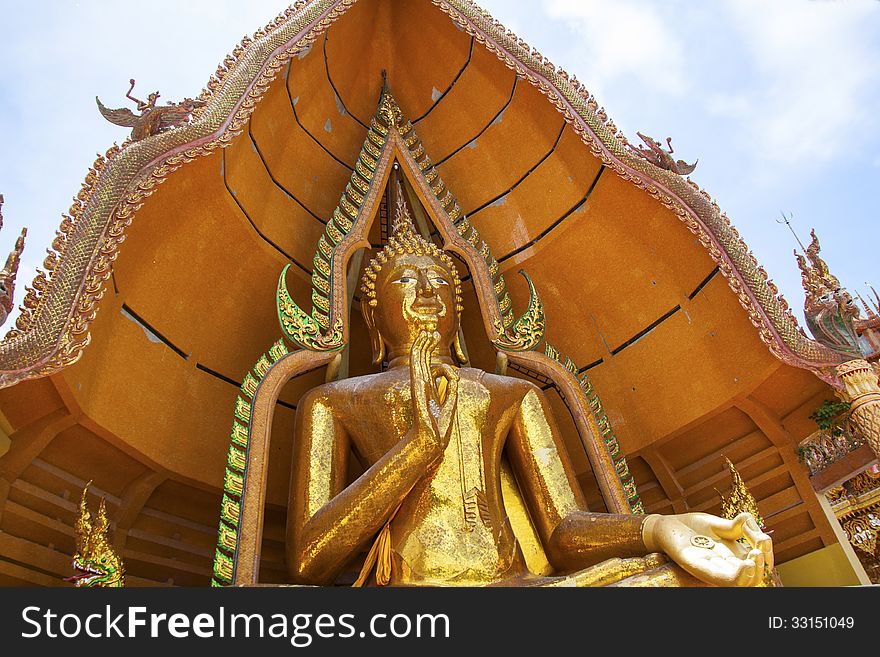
[(389, 111), (869, 312), (819, 265), (816, 277), (873, 310), (83, 524), (739, 499), (403, 221), (828, 308)]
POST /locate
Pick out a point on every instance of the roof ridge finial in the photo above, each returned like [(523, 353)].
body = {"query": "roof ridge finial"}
[(14, 257), (95, 561), (816, 276), (876, 299), (389, 111), (787, 222), (819, 264), (868, 311), (9, 272)]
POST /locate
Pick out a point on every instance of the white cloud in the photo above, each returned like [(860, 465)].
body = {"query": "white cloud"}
[(624, 38), (730, 105), (814, 68)]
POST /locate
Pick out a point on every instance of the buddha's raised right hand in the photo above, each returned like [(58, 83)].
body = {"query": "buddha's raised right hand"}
[(433, 417)]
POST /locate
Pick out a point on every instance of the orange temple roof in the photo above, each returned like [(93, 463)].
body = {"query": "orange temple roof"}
[(126, 365)]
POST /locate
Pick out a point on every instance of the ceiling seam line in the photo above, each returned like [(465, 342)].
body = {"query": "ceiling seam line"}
[(333, 86), (304, 129), (556, 223), (276, 182), (525, 175), (451, 84), (486, 127), (308, 272)]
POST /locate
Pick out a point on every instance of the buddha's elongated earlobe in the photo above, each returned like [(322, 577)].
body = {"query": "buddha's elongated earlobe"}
[(376, 342), (378, 345), (457, 346), (460, 353)]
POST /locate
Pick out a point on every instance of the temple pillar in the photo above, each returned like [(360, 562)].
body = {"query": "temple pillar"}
[(863, 392), (843, 539)]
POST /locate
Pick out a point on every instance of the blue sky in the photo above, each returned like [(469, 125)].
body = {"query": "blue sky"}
[(778, 101)]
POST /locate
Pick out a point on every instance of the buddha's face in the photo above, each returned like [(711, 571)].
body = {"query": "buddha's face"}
[(415, 293)]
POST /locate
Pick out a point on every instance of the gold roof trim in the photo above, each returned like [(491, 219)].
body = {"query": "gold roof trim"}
[(58, 307)]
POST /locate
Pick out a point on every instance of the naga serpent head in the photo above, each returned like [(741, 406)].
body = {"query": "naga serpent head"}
[(95, 562)]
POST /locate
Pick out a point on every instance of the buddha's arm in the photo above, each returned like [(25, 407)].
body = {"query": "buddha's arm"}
[(330, 522), (573, 537)]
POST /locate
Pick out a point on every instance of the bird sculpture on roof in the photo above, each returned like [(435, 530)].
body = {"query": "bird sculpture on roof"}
[(152, 119), (661, 157)]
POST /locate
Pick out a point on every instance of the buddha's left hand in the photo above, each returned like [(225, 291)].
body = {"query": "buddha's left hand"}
[(708, 547)]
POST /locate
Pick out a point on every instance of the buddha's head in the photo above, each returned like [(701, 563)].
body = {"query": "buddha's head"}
[(409, 287)]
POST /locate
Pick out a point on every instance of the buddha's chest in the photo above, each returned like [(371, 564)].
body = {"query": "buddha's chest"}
[(381, 418)]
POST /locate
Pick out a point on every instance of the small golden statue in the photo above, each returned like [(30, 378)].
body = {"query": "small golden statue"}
[(433, 435), (95, 562), (740, 497)]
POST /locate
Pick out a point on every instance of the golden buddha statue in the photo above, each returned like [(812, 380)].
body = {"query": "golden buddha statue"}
[(432, 436)]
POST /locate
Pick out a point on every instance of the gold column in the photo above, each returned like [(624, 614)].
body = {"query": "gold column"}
[(863, 392)]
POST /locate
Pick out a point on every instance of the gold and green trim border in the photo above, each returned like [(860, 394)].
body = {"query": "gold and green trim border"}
[(236, 467), (609, 440)]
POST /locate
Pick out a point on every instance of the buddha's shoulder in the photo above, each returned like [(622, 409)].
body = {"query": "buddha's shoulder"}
[(343, 389), (368, 385), (497, 382)]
